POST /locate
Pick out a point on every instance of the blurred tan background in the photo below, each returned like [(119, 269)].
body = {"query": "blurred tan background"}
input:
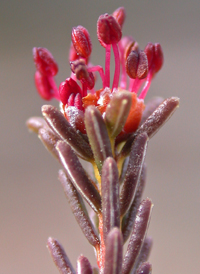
[(32, 203)]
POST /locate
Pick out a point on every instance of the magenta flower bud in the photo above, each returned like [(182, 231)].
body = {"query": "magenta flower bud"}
[(108, 30), (137, 65), (158, 57), (45, 62), (66, 88), (81, 41), (120, 15), (43, 86)]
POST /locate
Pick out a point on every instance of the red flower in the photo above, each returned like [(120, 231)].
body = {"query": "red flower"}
[(134, 70)]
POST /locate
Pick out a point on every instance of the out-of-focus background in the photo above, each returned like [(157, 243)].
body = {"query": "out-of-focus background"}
[(32, 203)]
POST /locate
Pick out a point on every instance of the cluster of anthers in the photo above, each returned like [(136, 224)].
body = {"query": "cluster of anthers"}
[(110, 129)]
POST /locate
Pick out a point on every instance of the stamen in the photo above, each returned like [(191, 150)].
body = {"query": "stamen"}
[(107, 67), (100, 70), (135, 85), (122, 60), (147, 85), (117, 66)]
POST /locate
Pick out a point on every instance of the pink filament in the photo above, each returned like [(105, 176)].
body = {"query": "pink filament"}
[(107, 67), (135, 85), (101, 72), (84, 89), (117, 66), (147, 85)]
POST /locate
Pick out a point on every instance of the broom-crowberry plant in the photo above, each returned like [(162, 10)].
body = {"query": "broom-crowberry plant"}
[(109, 128)]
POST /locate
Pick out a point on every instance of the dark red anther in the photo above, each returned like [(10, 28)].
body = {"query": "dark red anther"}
[(66, 88), (43, 86), (129, 45), (149, 50), (45, 62), (158, 57), (142, 69), (108, 30), (89, 81), (120, 15), (131, 64), (79, 68), (137, 65), (81, 41), (155, 56)]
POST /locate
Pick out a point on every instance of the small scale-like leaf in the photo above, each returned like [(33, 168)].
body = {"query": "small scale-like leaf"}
[(153, 123), (132, 177), (58, 123), (113, 252), (59, 257), (36, 123), (129, 217), (49, 139), (78, 176), (98, 135), (117, 112), (137, 236), (83, 265), (145, 268), (78, 209), (110, 196)]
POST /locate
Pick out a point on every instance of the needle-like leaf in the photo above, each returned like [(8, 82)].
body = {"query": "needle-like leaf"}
[(78, 208), (153, 123), (59, 124), (144, 253), (150, 107), (83, 265), (98, 135), (117, 112), (110, 196), (114, 252), (145, 268), (132, 177), (78, 176), (59, 257), (137, 236), (129, 217), (35, 123), (49, 139)]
